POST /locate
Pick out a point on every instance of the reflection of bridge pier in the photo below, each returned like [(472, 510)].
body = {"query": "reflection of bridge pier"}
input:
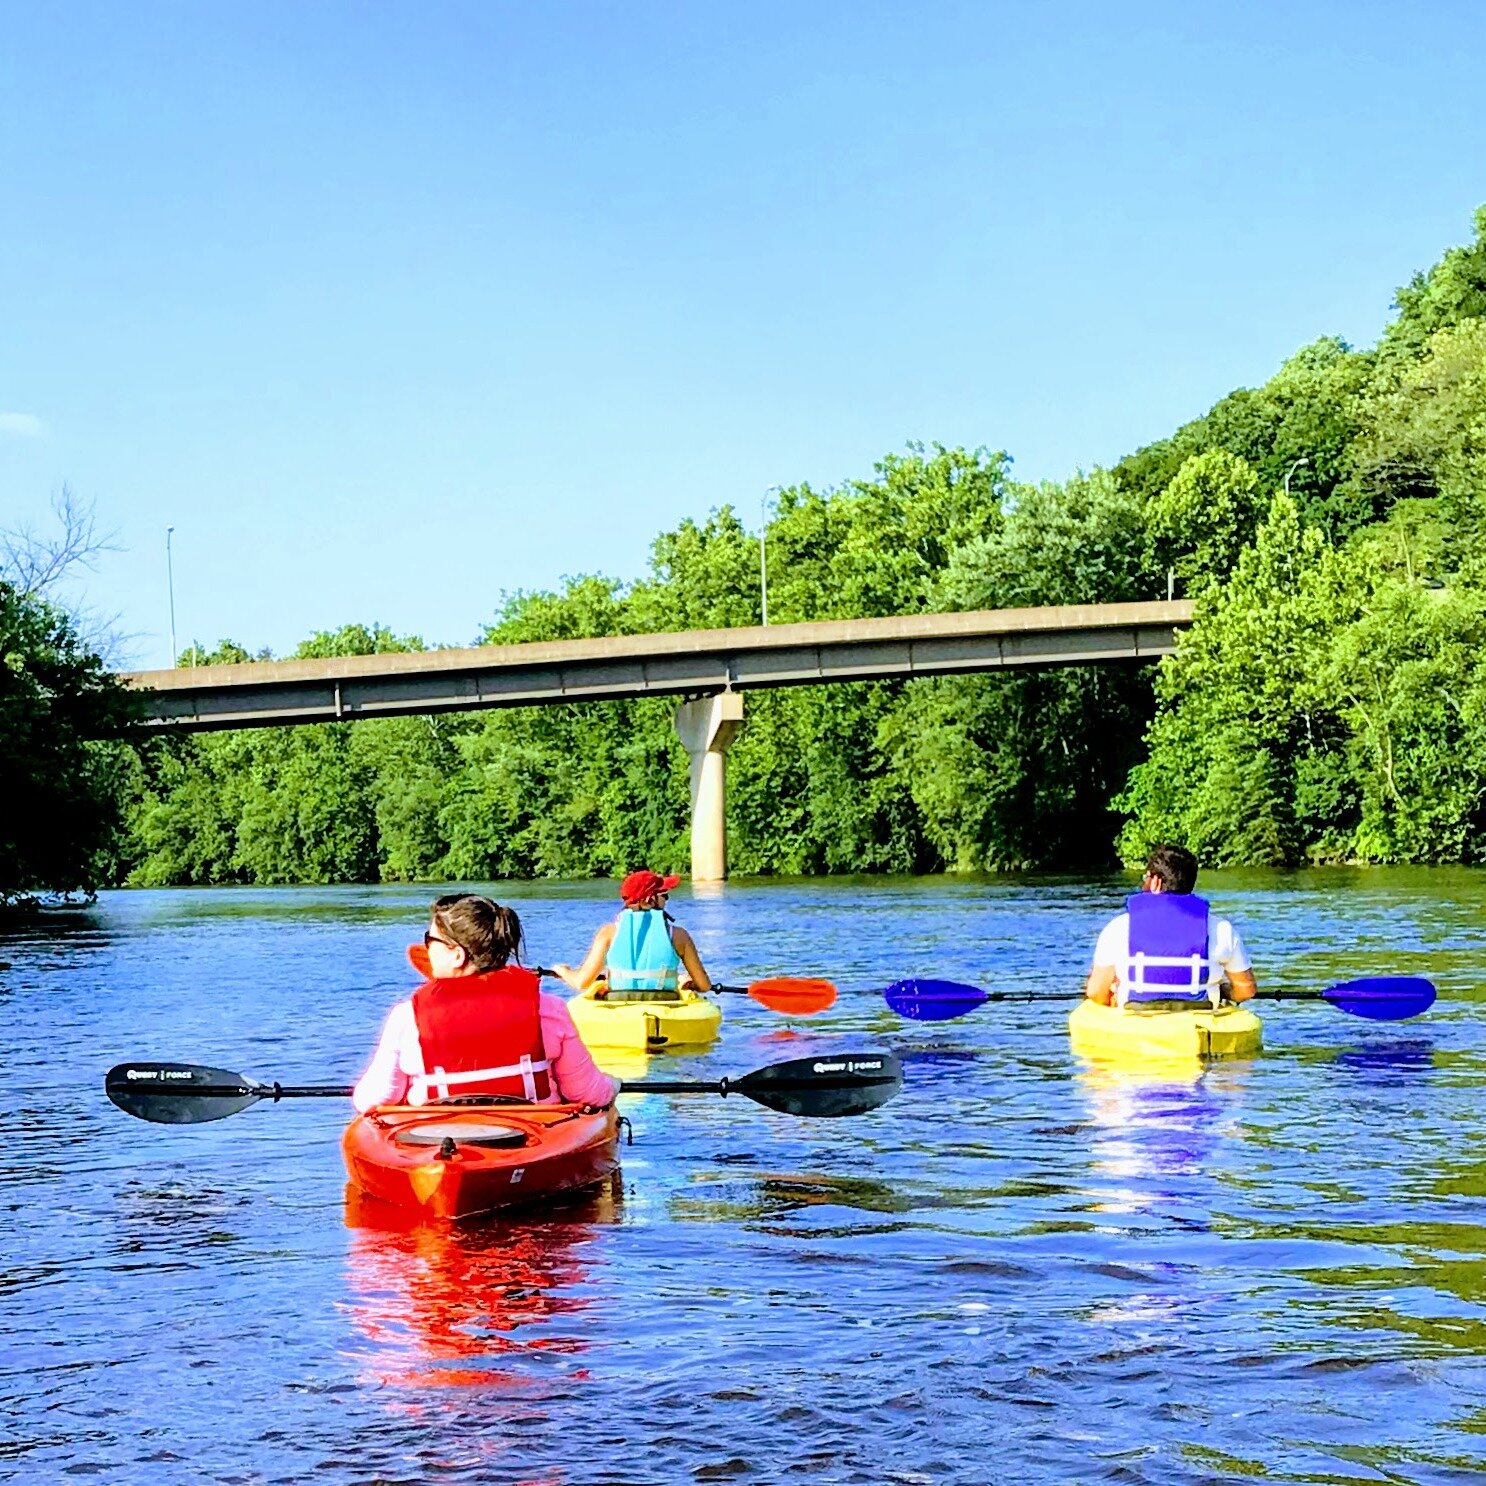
[(707, 727)]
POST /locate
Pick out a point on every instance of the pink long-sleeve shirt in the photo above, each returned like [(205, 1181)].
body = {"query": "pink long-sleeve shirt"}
[(576, 1079)]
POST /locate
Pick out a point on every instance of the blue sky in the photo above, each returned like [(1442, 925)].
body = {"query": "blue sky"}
[(389, 308)]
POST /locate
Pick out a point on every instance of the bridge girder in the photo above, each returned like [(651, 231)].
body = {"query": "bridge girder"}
[(684, 663)]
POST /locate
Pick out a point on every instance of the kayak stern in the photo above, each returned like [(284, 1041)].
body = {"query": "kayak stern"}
[(1164, 1030), (457, 1162)]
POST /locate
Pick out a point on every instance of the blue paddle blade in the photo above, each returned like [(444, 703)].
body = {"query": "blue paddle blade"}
[(1383, 998), (933, 1000)]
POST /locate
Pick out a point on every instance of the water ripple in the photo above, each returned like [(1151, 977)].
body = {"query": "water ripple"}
[(1022, 1269)]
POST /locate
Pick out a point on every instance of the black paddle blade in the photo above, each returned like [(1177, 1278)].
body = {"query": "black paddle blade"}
[(824, 1087), (180, 1093)]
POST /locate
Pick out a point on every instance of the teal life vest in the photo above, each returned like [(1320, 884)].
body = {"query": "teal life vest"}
[(641, 956)]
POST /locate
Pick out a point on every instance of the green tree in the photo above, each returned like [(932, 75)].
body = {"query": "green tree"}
[(1246, 730), (1426, 433), (283, 805), (63, 776), (1449, 294), (1200, 523), (1411, 675), (1299, 425), (1079, 542)]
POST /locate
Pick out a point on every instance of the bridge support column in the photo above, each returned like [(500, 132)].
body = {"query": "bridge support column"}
[(707, 728)]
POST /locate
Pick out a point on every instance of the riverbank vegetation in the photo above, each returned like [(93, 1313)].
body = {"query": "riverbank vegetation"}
[(64, 725), (1329, 702)]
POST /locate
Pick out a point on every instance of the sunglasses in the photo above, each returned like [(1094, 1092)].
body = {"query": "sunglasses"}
[(429, 937)]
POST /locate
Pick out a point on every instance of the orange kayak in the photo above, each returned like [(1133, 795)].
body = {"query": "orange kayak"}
[(456, 1162)]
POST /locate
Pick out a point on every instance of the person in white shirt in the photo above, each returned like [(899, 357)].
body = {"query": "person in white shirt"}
[(1171, 948)]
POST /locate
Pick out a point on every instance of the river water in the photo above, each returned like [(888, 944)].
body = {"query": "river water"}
[(1021, 1269)]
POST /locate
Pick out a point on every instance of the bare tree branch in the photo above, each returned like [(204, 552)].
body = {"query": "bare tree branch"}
[(34, 560)]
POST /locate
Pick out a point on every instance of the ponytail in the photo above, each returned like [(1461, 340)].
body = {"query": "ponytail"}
[(487, 932)]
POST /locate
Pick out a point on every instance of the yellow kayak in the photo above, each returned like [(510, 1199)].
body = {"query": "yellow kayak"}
[(1164, 1029), (651, 1020)]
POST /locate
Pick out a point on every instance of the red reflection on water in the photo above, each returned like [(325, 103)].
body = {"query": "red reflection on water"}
[(441, 1302)]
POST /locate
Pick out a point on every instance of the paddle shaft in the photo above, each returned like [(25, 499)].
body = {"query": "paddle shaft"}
[(1071, 995), (1074, 995), (547, 974), (1078, 995), (1065, 996), (712, 989), (671, 1086), (272, 1092)]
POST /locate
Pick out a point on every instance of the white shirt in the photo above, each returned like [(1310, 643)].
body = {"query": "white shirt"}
[(1225, 951)]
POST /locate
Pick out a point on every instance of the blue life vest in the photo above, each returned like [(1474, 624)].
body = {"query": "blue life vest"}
[(1168, 949), (641, 955)]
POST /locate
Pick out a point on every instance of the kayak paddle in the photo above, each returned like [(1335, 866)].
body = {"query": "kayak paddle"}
[(823, 1086), (188, 1094), (827, 1085), (792, 995), (1379, 998)]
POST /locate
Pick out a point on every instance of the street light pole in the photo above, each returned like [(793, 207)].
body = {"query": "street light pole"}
[(170, 587), (763, 550), (1304, 459)]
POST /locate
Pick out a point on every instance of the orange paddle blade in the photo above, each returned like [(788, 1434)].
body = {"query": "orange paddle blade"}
[(793, 996), (418, 959)]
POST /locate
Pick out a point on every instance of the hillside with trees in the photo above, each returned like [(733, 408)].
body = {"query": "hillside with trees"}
[(1328, 704)]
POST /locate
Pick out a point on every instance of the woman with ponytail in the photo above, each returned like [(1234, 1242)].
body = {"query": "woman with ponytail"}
[(480, 1024)]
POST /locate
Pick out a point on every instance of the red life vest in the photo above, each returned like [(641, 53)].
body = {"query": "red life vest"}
[(481, 1034)]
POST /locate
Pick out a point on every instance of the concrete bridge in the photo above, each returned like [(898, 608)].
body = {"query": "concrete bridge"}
[(711, 668)]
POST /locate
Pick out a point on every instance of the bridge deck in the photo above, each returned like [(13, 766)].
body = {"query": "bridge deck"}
[(280, 693)]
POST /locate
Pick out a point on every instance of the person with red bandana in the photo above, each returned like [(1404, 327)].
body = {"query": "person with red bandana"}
[(480, 1024), (644, 953)]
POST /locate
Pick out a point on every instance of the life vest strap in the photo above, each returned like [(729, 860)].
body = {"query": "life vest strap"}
[(441, 1081), (640, 980), (1135, 987)]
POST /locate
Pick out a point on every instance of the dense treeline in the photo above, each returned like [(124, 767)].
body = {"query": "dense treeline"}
[(1328, 704), (63, 774), (64, 718)]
